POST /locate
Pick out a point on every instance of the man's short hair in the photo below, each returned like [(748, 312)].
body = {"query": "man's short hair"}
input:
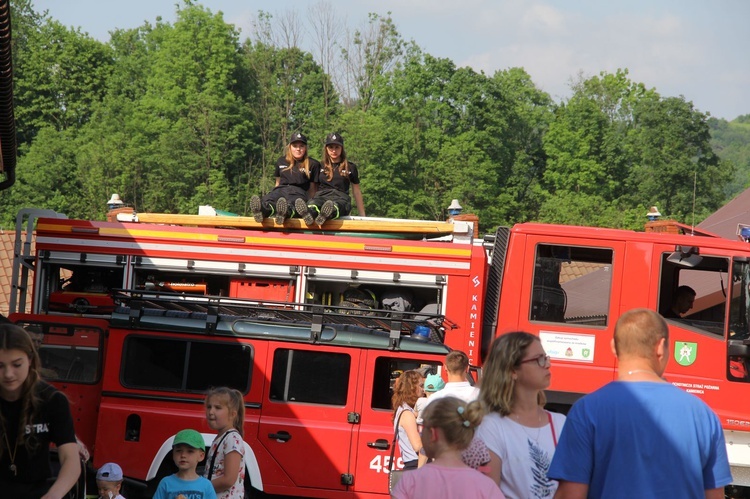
[(456, 362), (638, 331), (684, 291)]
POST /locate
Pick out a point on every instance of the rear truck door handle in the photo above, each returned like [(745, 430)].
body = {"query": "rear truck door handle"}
[(380, 443), (281, 436)]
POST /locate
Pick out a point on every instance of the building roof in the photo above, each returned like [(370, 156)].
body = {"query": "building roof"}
[(724, 221), (7, 241)]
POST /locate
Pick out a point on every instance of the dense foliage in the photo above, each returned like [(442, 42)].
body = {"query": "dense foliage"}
[(731, 140), (173, 116)]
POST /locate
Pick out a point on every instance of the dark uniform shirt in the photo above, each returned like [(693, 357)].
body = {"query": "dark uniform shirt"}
[(295, 176), (338, 181), (52, 424)]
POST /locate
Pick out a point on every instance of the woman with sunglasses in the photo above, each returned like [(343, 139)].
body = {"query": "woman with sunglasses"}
[(519, 433)]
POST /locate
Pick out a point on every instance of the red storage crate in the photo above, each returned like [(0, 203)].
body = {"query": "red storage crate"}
[(262, 289)]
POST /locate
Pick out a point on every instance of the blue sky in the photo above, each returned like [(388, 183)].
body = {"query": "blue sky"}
[(696, 48)]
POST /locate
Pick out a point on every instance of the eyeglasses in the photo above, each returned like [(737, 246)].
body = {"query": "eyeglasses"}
[(541, 360)]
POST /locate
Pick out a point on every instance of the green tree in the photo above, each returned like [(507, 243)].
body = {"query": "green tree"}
[(46, 177), (371, 53), (447, 135), (524, 160), (192, 118), (292, 95), (586, 144), (675, 166), (731, 142), (60, 79)]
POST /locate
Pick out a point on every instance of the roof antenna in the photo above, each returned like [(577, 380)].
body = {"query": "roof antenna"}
[(695, 183)]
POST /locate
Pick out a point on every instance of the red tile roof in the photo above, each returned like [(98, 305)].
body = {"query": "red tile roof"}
[(7, 242)]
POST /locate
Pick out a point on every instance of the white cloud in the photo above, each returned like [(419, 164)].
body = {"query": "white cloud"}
[(544, 18), (661, 50)]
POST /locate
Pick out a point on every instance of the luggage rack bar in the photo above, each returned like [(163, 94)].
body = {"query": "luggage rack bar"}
[(314, 315)]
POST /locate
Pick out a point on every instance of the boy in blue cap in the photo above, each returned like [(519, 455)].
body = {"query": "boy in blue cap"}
[(432, 383), (109, 481), (188, 449)]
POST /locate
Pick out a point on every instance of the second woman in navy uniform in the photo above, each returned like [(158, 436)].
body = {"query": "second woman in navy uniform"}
[(334, 177)]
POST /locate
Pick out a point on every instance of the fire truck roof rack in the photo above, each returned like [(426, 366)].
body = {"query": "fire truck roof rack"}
[(457, 230), (300, 322)]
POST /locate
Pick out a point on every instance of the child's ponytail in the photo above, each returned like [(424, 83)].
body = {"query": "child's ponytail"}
[(456, 418)]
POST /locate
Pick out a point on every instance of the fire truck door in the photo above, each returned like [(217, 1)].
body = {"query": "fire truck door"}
[(305, 416), (371, 451)]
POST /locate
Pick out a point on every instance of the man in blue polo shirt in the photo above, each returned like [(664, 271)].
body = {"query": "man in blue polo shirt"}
[(640, 436)]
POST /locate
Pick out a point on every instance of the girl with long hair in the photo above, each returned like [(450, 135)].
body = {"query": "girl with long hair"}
[(519, 433), (335, 176), (33, 414), (225, 464), (294, 174), (406, 390)]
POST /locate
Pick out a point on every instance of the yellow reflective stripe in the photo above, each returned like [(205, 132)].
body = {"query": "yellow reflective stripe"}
[(462, 251)]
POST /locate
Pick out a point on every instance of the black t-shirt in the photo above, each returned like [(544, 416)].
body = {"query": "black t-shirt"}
[(295, 176), (338, 181), (52, 424)]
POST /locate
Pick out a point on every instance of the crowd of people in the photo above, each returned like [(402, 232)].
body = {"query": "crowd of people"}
[(491, 441), (638, 436)]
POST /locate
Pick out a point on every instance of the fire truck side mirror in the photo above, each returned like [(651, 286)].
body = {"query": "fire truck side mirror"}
[(685, 256)]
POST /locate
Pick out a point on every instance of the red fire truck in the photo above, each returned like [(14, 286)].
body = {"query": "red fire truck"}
[(313, 326)]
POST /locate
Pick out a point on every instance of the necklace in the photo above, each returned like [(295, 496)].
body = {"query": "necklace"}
[(12, 455), (525, 428)]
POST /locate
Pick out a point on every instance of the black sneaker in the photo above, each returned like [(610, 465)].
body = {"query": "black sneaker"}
[(256, 209), (325, 212), (301, 207), (281, 210)]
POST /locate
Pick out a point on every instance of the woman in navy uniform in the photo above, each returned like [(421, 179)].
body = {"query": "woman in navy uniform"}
[(336, 174), (294, 173)]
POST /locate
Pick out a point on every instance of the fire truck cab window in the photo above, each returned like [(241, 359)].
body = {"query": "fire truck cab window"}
[(310, 376), (387, 370), (67, 353), (738, 341), (572, 285), (186, 366), (700, 277)]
